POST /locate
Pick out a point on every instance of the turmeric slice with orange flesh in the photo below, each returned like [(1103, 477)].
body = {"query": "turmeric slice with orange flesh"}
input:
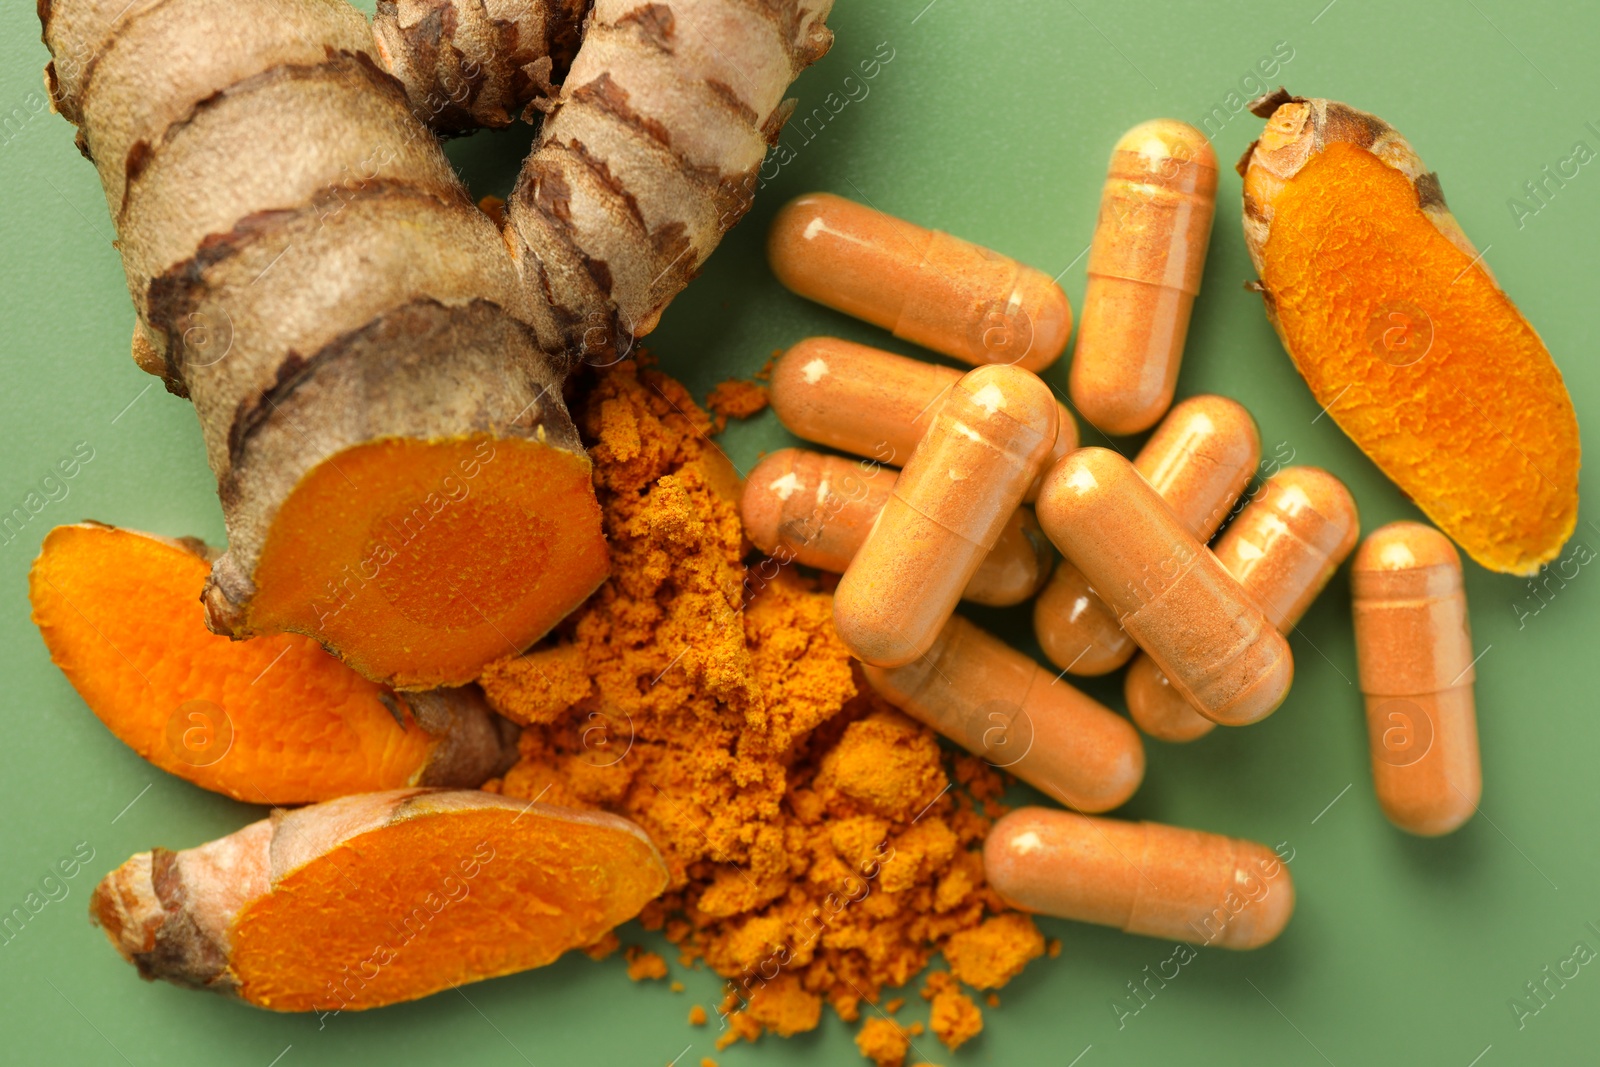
[(274, 720), (419, 561), (1403, 335), (375, 899)]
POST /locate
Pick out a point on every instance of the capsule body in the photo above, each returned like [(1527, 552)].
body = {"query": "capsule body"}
[(1282, 549), (999, 704), (873, 403), (925, 286), (1199, 460), (1414, 654), (1141, 877), (951, 501), (816, 509), (1144, 270), (1169, 593)]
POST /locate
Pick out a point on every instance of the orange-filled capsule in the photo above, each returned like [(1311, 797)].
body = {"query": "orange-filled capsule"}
[(1144, 271), (1168, 591), (1282, 549), (870, 402), (1141, 877), (1414, 654), (1199, 460), (999, 704), (925, 286), (948, 507), (817, 509)]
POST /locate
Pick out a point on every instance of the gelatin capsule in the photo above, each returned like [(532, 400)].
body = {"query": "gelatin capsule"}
[(1169, 593), (924, 286), (1282, 549), (816, 510), (1199, 460), (1145, 264), (1141, 877), (1414, 655), (999, 704), (870, 402), (947, 509)]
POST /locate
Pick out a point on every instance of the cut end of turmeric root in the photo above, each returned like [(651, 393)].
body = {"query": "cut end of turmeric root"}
[(1404, 336), (419, 561), (454, 887), (274, 720)]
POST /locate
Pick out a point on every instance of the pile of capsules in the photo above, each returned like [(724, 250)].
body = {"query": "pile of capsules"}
[(1207, 623)]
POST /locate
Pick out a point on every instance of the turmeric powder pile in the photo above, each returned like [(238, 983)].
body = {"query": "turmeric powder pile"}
[(821, 846)]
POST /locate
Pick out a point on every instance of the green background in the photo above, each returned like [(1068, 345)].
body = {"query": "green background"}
[(992, 121)]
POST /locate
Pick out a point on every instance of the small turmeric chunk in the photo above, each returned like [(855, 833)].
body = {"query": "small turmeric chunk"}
[(644, 965), (992, 954), (954, 1018), (883, 1041), (885, 764), (697, 1016), (735, 399), (455, 886), (1403, 335)]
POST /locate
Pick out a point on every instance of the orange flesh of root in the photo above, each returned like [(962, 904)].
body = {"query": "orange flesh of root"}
[(1479, 430), (121, 615), (433, 912), (419, 561)]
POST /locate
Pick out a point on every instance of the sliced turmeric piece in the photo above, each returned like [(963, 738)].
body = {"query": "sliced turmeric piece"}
[(375, 899), (1404, 336), (275, 720)]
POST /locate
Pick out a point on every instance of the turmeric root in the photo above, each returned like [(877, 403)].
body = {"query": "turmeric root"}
[(376, 368), (270, 721), (380, 898), (649, 155), (1404, 336), (472, 63)]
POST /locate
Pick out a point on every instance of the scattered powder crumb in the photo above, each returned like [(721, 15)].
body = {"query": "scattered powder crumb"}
[(644, 964), (707, 1061), (954, 1018), (603, 947), (1052, 947), (734, 399), (676, 987), (697, 1016), (821, 846), (894, 1005), (993, 1000), (883, 1042), (994, 953)]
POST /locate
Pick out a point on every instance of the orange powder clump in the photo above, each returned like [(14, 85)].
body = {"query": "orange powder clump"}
[(990, 955), (821, 845), (734, 399), (955, 1019), (644, 965), (698, 1016), (883, 1042)]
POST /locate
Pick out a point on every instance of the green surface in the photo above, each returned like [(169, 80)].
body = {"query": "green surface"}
[(992, 121)]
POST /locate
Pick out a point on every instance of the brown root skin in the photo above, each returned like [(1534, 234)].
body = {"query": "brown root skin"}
[(273, 721), (467, 64), (458, 886), (1300, 128), (650, 154)]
